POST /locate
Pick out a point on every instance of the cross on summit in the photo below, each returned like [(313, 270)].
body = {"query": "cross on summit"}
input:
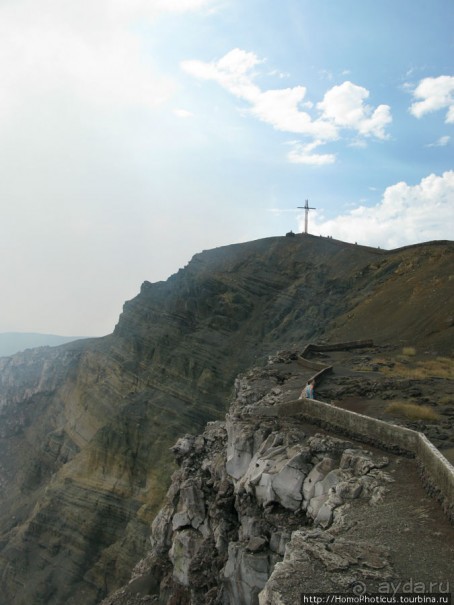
[(306, 208)]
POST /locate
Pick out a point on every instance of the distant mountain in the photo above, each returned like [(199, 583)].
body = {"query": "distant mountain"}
[(15, 342)]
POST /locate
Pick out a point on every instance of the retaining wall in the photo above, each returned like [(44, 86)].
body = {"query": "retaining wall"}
[(436, 471), (337, 346)]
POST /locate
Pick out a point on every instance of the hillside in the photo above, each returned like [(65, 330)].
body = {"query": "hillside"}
[(86, 427)]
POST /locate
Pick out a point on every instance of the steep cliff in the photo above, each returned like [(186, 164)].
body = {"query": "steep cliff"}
[(268, 508), (85, 428)]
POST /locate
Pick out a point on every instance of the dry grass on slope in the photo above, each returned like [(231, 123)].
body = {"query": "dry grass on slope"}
[(412, 411)]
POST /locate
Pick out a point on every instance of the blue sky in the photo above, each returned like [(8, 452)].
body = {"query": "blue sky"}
[(134, 134)]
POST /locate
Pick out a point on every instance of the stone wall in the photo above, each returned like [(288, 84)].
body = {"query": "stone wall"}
[(436, 471)]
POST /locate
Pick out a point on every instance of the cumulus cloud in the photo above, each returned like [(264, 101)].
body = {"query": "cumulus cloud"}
[(287, 110), (281, 109), (433, 94), (231, 72), (407, 214), (345, 106)]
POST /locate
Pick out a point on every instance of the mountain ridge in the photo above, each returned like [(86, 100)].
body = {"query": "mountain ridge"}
[(86, 428), (16, 342)]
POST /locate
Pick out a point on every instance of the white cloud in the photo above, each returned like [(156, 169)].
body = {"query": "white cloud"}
[(287, 110), (435, 94), (345, 106), (302, 154), (279, 74), (231, 72), (281, 109), (406, 215), (441, 142)]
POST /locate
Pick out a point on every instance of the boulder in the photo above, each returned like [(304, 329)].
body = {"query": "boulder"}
[(317, 474), (361, 461)]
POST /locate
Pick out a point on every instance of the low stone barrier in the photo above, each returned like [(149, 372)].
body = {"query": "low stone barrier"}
[(436, 471), (337, 346), (364, 428)]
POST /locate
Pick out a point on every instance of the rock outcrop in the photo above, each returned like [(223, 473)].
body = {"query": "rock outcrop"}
[(261, 510)]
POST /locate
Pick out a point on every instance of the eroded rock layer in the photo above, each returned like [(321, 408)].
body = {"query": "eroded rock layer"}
[(85, 428), (264, 510)]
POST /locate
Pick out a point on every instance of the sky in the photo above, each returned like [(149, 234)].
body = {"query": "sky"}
[(137, 133)]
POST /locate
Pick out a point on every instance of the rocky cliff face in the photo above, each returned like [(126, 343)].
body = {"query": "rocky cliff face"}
[(85, 428), (264, 510)]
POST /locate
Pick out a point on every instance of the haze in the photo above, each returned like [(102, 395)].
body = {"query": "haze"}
[(136, 133)]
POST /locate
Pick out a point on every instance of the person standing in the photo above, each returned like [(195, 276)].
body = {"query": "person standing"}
[(309, 390)]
